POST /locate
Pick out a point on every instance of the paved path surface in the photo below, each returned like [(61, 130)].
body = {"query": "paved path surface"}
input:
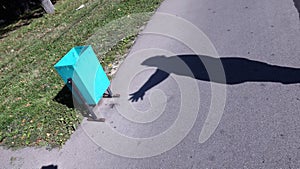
[(258, 43)]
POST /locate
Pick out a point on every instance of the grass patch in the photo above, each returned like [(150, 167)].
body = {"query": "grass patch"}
[(29, 116)]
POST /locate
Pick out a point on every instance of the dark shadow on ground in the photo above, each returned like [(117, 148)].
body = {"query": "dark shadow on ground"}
[(236, 71), (17, 13), (75, 101), (65, 97), (50, 167), (297, 5), (17, 22), (72, 100)]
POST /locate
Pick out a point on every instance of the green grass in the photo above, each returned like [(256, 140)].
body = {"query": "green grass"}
[(29, 116)]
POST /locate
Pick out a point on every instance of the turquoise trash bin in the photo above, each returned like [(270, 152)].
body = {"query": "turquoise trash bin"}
[(82, 66)]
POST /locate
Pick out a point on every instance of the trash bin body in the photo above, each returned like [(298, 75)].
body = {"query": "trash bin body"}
[(82, 65)]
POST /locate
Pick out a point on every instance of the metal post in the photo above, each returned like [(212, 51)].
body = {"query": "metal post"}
[(91, 115)]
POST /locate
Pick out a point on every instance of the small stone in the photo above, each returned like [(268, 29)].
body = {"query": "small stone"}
[(48, 147)]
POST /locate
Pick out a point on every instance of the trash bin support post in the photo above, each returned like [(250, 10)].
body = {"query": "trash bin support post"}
[(91, 115)]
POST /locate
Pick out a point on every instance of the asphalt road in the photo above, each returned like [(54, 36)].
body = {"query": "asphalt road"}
[(215, 84)]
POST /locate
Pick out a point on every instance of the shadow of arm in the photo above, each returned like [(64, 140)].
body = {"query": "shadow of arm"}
[(154, 80)]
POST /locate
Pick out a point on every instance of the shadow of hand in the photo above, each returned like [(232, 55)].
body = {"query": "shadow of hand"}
[(136, 96)]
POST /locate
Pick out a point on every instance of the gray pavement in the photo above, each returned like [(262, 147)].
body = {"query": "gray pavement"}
[(259, 124)]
